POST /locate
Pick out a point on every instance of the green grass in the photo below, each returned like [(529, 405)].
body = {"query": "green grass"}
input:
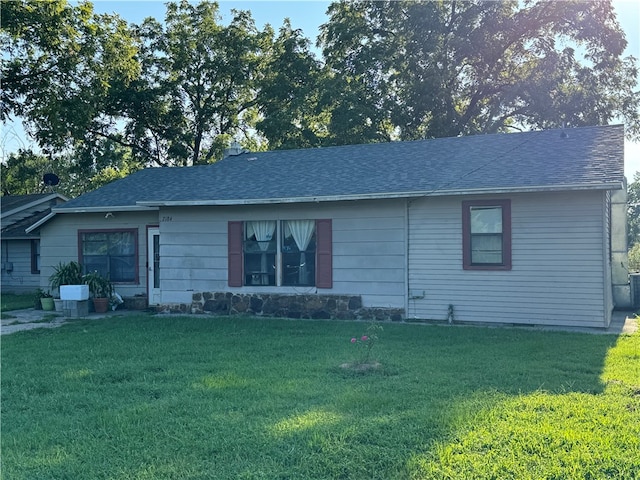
[(12, 301), (233, 398)]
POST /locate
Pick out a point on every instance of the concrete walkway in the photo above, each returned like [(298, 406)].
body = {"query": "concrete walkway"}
[(621, 323), (31, 318)]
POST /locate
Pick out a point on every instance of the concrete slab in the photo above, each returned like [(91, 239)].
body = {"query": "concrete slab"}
[(31, 318), (621, 323)]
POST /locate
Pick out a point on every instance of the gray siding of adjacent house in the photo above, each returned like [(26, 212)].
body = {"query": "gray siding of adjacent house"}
[(368, 249), (559, 256), (59, 242), (19, 279)]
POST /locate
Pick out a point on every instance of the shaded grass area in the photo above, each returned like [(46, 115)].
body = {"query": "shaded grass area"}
[(158, 398), (12, 301)]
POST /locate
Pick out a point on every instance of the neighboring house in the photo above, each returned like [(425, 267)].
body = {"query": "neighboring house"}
[(509, 228), (21, 250)]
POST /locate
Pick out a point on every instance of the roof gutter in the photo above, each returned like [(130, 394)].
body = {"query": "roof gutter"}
[(104, 209), (385, 195), (39, 222)]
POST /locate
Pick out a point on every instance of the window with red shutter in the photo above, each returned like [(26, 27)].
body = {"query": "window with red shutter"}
[(303, 247)]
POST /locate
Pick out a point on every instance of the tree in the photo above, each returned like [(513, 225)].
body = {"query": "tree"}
[(62, 64), (198, 84), (288, 92), (23, 171), (433, 69)]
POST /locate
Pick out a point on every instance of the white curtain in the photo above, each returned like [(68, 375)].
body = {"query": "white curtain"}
[(263, 230), (302, 232)]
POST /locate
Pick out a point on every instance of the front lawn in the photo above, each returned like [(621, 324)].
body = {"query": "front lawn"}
[(153, 397), (12, 301)]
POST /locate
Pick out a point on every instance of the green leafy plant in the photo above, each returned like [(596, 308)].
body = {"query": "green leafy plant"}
[(39, 293), (634, 258), (69, 273), (99, 286)]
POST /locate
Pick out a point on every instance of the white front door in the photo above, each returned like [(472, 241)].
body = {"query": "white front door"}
[(153, 261)]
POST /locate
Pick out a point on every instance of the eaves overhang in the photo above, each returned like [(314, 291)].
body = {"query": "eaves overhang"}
[(384, 195), (104, 209), (43, 200), (55, 211)]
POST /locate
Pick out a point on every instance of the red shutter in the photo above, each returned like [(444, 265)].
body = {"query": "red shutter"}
[(235, 254), (324, 267)]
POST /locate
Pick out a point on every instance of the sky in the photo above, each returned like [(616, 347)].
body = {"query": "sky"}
[(308, 15)]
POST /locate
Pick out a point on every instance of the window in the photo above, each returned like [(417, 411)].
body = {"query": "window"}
[(260, 252), (280, 253), (298, 252), (113, 253), (35, 257), (486, 235)]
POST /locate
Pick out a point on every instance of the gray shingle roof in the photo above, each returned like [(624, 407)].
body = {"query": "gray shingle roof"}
[(588, 157), (10, 203)]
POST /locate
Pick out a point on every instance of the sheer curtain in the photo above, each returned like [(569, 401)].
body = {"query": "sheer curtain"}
[(302, 232), (263, 230)]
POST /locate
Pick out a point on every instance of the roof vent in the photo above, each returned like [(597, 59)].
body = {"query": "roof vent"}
[(234, 149)]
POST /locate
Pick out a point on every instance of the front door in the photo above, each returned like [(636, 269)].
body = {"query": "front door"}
[(153, 261)]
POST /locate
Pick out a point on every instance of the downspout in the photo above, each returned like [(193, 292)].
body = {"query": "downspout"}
[(407, 253), (606, 258)]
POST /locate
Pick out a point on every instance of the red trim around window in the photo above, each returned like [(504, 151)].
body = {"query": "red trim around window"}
[(324, 254), (235, 254), (35, 256), (506, 234)]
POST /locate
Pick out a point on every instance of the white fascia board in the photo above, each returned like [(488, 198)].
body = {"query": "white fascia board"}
[(39, 222), (101, 209), (56, 211), (386, 195)]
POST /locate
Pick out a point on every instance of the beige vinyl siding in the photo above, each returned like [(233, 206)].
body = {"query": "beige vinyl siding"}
[(557, 253), (368, 249), (20, 279), (59, 241)]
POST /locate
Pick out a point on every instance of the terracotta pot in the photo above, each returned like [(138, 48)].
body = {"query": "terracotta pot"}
[(47, 303), (101, 304)]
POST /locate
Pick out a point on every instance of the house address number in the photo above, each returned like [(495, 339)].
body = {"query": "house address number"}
[(167, 219)]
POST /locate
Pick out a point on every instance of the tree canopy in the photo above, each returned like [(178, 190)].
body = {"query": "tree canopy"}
[(108, 96), (435, 69)]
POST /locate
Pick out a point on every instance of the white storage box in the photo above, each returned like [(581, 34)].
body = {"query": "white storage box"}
[(74, 292)]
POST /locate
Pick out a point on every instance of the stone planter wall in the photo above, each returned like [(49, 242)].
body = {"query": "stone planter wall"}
[(342, 307), (135, 303)]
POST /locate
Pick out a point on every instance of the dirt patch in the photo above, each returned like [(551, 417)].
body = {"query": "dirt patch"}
[(361, 367)]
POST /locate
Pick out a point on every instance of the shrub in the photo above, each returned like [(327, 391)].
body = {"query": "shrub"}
[(634, 258)]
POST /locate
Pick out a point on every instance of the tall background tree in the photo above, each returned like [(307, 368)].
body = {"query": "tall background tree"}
[(198, 84), (434, 69), (108, 97)]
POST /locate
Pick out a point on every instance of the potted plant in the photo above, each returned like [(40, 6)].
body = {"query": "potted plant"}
[(100, 289), (69, 273), (46, 300)]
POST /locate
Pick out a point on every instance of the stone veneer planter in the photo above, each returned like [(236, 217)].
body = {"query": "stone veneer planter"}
[(342, 307)]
